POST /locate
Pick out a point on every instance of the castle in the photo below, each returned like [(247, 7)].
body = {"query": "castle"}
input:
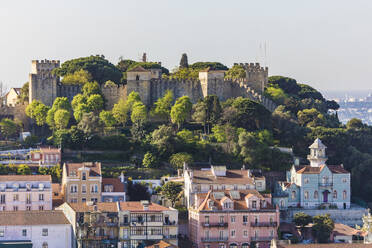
[(46, 87)]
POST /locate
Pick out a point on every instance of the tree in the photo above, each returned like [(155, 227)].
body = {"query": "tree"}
[(181, 110), (133, 97), (162, 138), (172, 191), (80, 110), (61, 118), (8, 127), (178, 159), (138, 191), (98, 67), (89, 124), (120, 112), (77, 100), (95, 103), (108, 118), (184, 61), (91, 88), (186, 136), (37, 111), (354, 123), (60, 103), (163, 105), (236, 72), (311, 118), (78, 77), (322, 228), (301, 219), (124, 64), (210, 65), (23, 169), (139, 118), (23, 97), (150, 160)]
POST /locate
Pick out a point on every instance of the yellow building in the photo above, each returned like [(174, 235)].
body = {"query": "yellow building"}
[(81, 182), (12, 97)]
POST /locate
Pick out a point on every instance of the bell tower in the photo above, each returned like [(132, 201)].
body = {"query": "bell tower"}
[(317, 155)]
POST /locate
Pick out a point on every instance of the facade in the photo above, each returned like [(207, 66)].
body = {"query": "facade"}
[(12, 97), (219, 178), (144, 222), (25, 192), (232, 218), (47, 156), (41, 229), (150, 85), (94, 224), (113, 189), (316, 184), (81, 182)]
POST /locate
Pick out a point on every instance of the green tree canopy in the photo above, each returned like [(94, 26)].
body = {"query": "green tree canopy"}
[(178, 159), (120, 112), (95, 103), (322, 228), (61, 118), (78, 77), (150, 160), (354, 123), (8, 127), (23, 169), (236, 72), (91, 88), (98, 67), (210, 65), (302, 219), (181, 110), (37, 111), (184, 61), (311, 118), (108, 118), (172, 191), (23, 97), (163, 105)]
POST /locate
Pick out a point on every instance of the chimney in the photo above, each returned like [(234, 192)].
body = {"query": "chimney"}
[(243, 167), (145, 205), (342, 165), (122, 178)]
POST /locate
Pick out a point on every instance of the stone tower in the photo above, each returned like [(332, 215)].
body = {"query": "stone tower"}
[(43, 84), (317, 155), (257, 77), (211, 82), (138, 80)]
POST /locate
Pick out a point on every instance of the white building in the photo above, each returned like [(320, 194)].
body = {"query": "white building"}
[(25, 192), (38, 229)]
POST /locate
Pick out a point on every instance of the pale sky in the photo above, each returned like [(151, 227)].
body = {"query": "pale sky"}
[(325, 43)]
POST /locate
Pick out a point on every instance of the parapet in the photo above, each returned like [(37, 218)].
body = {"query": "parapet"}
[(253, 67), (44, 65)]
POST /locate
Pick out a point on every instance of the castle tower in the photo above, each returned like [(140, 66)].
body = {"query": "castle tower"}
[(43, 84), (138, 80), (317, 155), (257, 77), (212, 82)]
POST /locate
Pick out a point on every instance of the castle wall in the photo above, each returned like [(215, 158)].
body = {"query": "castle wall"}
[(113, 94), (68, 90)]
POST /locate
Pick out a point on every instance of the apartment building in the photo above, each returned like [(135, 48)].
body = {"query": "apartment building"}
[(231, 218), (25, 192), (146, 222), (219, 178), (40, 229), (46, 156), (113, 189), (81, 182)]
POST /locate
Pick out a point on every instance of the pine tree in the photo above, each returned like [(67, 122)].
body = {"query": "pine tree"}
[(184, 62)]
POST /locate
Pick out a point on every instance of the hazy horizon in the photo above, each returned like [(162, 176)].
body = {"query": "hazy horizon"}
[(321, 43)]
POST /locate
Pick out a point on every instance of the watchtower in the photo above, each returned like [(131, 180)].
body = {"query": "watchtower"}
[(43, 83), (257, 77), (212, 82)]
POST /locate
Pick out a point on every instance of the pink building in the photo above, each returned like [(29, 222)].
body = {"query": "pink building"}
[(230, 218), (47, 156)]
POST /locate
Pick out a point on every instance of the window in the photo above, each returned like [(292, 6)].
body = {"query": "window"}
[(221, 234), (83, 199), (334, 194), (271, 220), (222, 219), (15, 197), (282, 203), (28, 186), (245, 233), (235, 187), (344, 195), (245, 218), (232, 219), (109, 188), (41, 186), (41, 207), (73, 188), (306, 195), (293, 195), (316, 194), (83, 189), (73, 200), (344, 180), (232, 233), (15, 208), (207, 219), (245, 245), (94, 188), (45, 245), (272, 233), (24, 232), (94, 199), (306, 180), (255, 219), (84, 176), (2, 199), (41, 197), (2, 233), (206, 233), (45, 232), (254, 204)]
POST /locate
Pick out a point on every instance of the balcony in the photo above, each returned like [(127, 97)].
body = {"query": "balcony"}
[(326, 184), (214, 239), (261, 238), (96, 237), (170, 236), (124, 223), (264, 224), (216, 224), (170, 223)]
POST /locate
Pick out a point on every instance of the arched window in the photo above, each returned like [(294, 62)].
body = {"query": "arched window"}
[(334, 194), (282, 203), (233, 245), (306, 194), (84, 176), (344, 195), (45, 245), (137, 77), (245, 245), (293, 195), (316, 194)]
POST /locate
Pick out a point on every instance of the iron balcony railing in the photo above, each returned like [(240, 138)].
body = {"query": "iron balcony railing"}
[(264, 224), (215, 224), (214, 239), (261, 238)]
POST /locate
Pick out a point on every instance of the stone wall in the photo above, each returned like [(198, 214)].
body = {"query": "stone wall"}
[(113, 93), (68, 90)]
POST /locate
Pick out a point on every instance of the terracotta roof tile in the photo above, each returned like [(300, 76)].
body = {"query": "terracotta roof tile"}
[(232, 177), (161, 244), (115, 182), (4, 178), (307, 169), (45, 217), (50, 150), (137, 206), (332, 245), (101, 206), (95, 168), (344, 230)]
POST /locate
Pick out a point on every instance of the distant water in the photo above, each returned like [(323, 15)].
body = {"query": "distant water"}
[(343, 95)]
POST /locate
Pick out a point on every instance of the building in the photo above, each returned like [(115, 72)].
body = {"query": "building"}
[(161, 244), (41, 229), (344, 234), (113, 189), (94, 224), (46, 156), (144, 222), (12, 97), (315, 185), (25, 192), (81, 182), (219, 178), (232, 218)]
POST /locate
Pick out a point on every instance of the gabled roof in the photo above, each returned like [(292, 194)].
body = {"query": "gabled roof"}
[(317, 144), (307, 169), (137, 206), (101, 206), (138, 69), (232, 177), (25, 218), (49, 149), (344, 230), (115, 182), (25, 178), (95, 168)]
